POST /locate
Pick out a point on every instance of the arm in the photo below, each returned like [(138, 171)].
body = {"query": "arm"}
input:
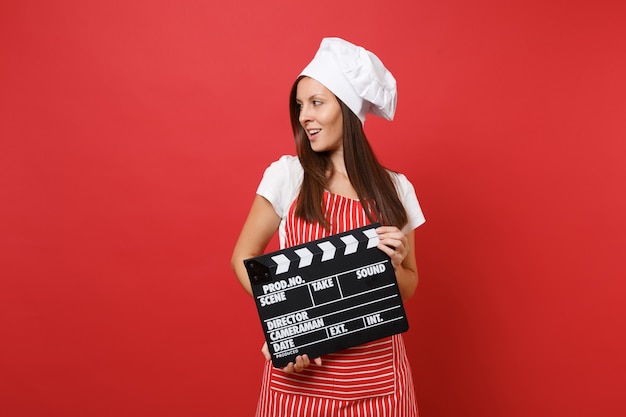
[(401, 250), (258, 229)]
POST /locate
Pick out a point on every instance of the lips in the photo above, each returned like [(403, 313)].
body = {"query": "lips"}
[(313, 132)]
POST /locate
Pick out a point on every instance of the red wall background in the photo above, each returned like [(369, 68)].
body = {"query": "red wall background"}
[(133, 135)]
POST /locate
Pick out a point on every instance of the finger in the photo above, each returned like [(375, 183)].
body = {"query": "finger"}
[(299, 365), (389, 232), (305, 360), (386, 229), (392, 240), (266, 352), (289, 369), (389, 250)]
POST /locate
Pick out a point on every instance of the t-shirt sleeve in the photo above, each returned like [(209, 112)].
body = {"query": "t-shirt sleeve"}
[(407, 194), (280, 183)]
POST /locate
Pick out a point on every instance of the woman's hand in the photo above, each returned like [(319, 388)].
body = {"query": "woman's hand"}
[(302, 361), (394, 243)]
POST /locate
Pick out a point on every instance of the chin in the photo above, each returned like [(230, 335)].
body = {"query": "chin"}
[(318, 149)]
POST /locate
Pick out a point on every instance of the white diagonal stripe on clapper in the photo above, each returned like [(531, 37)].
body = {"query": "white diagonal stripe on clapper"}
[(352, 244), (283, 263), (373, 237), (328, 250), (306, 257)]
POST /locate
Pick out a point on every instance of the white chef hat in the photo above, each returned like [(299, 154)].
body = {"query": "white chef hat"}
[(356, 76)]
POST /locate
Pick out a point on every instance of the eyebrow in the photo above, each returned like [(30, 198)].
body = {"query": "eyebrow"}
[(320, 95)]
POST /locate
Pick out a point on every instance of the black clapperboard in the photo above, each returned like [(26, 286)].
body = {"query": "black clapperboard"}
[(326, 295)]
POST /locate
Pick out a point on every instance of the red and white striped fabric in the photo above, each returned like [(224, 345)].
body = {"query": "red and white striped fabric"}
[(373, 379)]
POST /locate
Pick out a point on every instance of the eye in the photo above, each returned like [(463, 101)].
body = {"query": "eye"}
[(317, 103)]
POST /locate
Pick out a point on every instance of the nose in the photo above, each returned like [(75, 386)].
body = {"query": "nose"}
[(305, 114)]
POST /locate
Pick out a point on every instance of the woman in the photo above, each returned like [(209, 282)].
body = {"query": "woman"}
[(336, 184)]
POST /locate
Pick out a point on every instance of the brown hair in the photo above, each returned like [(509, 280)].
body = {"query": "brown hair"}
[(371, 181)]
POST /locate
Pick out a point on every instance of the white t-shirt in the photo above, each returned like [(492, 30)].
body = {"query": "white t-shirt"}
[(281, 183)]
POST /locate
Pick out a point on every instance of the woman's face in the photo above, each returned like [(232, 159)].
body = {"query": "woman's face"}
[(320, 115)]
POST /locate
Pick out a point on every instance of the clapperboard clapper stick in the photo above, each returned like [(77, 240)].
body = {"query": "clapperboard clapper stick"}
[(326, 295)]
